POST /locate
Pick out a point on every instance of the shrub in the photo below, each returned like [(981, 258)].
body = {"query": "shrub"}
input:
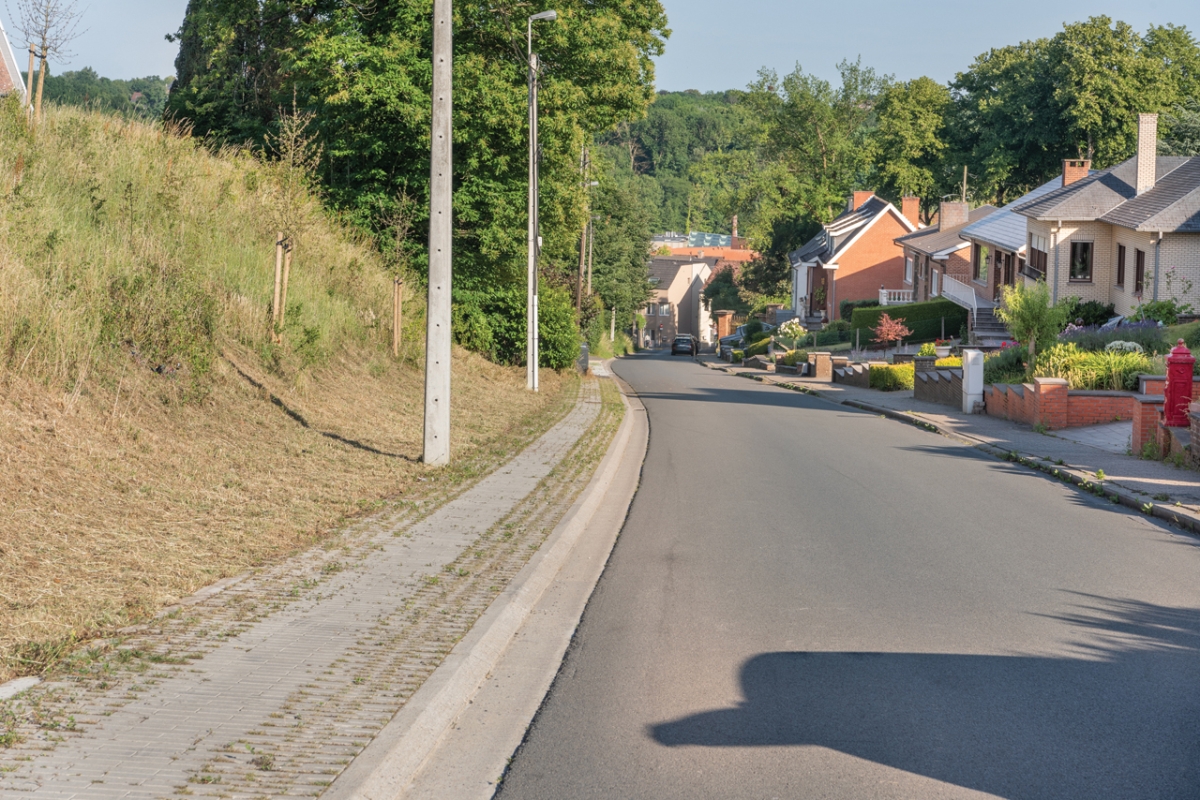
[(752, 327), (1146, 334), (792, 329), (1165, 311), (1083, 369), (758, 336), (557, 331), (892, 377), (923, 319), (927, 349), (793, 357), (1119, 346), (839, 325), (1092, 312), (1190, 334), (951, 362), (1007, 365), (738, 355), (846, 307)]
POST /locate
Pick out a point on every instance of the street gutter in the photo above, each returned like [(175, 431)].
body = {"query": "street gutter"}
[(1074, 476)]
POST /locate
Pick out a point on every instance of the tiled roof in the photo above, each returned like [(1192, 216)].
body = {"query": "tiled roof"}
[(664, 269), (825, 246), (1172, 206), (1006, 229), (933, 240), (1095, 195)]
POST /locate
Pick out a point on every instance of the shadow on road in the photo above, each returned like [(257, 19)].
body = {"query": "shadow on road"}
[(1121, 719)]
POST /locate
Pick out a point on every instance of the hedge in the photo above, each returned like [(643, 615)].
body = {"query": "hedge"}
[(759, 348), (923, 319), (846, 307), (892, 377)]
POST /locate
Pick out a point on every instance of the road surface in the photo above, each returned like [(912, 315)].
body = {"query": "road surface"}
[(812, 601)]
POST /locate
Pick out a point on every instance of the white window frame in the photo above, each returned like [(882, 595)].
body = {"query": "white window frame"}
[(908, 269), (934, 280)]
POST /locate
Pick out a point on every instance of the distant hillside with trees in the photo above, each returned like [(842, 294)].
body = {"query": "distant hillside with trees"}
[(142, 98)]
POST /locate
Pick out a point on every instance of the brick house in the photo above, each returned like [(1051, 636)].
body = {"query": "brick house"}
[(1124, 235), (853, 257), (10, 70), (678, 304), (939, 250)]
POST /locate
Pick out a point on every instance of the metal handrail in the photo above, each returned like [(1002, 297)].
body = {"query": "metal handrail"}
[(960, 293)]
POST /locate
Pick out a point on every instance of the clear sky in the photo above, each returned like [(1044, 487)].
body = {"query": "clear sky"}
[(719, 44)]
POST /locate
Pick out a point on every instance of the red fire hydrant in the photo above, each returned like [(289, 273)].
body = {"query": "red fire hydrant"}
[(1179, 386)]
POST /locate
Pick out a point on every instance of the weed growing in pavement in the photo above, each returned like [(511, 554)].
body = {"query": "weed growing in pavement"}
[(1100, 475)]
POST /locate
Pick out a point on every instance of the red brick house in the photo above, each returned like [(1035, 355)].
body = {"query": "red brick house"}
[(933, 253), (853, 257), (10, 70)]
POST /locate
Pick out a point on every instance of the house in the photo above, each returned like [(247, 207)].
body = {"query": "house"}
[(10, 70), (677, 305), (937, 251), (854, 257), (1124, 235)]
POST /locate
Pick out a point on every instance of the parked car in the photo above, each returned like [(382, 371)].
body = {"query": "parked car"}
[(737, 339), (686, 344)]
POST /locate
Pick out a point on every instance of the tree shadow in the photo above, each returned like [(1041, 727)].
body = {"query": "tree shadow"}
[(1118, 718)]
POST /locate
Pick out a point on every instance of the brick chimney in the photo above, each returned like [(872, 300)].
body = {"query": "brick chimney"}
[(1075, 169), (856, 202), (953, 213), (910, 207), (1147, 151)]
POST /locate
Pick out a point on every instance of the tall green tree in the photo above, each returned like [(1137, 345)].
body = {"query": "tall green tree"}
[(910, 140), (363, 69), (1182, 130)]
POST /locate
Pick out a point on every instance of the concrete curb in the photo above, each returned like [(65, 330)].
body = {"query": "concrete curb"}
[(418, 742), (1079, 478)]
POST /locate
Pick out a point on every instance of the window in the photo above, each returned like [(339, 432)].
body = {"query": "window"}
[(1081, 261), (1139, 270), (1121, 265), (1037, 256), (982, 254), (908, 269), (933, 283)]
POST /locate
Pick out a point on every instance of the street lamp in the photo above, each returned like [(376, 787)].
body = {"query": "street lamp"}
[(533, 239)]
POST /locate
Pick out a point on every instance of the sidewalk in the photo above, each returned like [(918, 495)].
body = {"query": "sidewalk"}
[(1077, 456), (271, 685)]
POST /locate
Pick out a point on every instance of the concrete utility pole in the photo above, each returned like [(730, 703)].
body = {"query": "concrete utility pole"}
[(437, 332), (533, 240)]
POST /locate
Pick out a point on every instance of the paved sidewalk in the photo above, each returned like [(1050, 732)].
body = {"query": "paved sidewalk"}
[(289, 681), (1154, 480)]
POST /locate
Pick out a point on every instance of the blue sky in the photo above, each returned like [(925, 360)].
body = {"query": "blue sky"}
[(718, 44)]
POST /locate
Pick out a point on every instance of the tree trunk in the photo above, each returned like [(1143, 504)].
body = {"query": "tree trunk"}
[(37, 109)]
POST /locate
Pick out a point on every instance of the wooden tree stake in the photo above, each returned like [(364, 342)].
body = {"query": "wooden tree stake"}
[(287, 270), (397, 315), (275, 322)]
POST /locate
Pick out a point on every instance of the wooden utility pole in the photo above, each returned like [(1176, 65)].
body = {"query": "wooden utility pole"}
[(591, 247), (964, 184), (275, 322), (397, 315), (437, 332)]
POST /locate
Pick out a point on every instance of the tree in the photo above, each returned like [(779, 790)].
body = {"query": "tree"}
[(621, 244), (891, 330), (909, 140), (51, 26), (1181, 129), (1029, 315)]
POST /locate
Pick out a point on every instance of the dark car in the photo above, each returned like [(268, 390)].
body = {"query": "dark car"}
[(686, 344)]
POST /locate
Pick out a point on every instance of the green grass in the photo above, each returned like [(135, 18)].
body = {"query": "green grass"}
[(123, 239)]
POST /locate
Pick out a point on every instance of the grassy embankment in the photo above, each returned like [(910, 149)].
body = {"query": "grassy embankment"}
[(154, 439)]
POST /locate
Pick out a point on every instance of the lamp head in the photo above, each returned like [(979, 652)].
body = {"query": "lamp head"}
[(551, 15)]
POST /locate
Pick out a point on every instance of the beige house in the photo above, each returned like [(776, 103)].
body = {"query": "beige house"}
[(678, 304), (1124, 235)]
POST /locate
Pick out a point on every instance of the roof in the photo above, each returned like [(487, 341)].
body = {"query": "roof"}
[(836, 236), (664, 269), (1006, 228), (1172, 206), (696, 239), (10, 71), (932, 241), (1096, 195), (727, 253)]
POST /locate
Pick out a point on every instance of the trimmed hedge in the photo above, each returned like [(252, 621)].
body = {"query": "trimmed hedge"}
[(846, 307), (759, 348), (923, 319), (892, 377), (794, 357)]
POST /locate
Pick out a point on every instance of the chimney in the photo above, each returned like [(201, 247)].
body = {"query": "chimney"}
[(910, 207), (953, 213), (1147, 151), (856, 202), (1075, 169)]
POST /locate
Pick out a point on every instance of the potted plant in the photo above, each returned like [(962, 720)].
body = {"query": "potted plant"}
[(941, 347)]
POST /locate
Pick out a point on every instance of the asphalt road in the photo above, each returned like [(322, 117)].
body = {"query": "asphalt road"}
[(811, 601)]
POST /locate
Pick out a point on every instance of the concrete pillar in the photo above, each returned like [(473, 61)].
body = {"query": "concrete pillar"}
[(972, 391)]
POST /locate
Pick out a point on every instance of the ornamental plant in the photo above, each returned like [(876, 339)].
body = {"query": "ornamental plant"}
[(890, 330), (927, 349), (792, 329)]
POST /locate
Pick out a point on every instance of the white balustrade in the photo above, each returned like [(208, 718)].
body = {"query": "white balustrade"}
[(895, 297)]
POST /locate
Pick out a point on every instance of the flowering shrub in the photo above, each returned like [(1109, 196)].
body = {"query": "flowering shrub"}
[(1089, 337), (1124, 347), (792, 329)]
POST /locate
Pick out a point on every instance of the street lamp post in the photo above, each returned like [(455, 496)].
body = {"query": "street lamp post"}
[(533, 242)]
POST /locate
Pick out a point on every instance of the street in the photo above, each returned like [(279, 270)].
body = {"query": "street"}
[(812, 601)]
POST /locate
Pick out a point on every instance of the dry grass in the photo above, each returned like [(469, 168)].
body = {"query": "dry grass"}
[(113, 507), (153, 438)]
